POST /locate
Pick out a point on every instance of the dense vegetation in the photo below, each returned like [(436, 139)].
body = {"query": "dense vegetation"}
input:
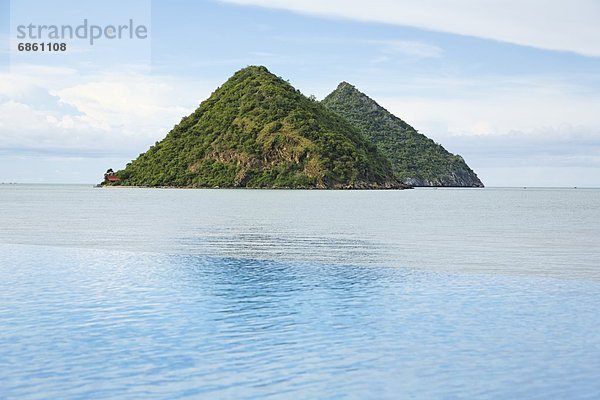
[(257, 131), (416, 159)]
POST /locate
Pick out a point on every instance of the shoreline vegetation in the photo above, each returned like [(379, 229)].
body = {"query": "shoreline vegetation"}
[(257, 131), (113, 186)]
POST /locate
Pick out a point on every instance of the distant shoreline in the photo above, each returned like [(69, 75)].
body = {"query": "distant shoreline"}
[(245, 188), (415, 187)]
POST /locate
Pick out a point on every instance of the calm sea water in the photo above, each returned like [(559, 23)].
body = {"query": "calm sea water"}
[(149, 293)]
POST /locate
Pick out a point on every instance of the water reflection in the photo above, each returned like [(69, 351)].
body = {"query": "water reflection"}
[(259, 243)]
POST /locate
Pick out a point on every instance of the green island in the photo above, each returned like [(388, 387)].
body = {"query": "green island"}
[(258, 131), (416, 159)]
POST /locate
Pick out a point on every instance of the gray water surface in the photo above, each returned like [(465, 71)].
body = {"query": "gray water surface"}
[(544, 232), (150, 293)]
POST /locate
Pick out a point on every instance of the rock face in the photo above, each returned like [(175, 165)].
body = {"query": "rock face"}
[(416, 159), (257, 131)]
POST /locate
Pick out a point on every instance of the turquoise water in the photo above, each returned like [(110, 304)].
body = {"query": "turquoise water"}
[(134, 293)]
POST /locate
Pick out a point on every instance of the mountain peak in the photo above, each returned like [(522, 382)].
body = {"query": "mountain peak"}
[(345, 85), (416, 159), (254, 69), (253, 72), (346, 92), (348, 89), (256, 130)]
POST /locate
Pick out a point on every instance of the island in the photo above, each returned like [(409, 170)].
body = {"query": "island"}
[(416, 159), (258, 131)]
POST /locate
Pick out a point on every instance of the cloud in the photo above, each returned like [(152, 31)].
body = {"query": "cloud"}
[(135, 105), (535, 23), (60, 111), (562, 156), (489, 105), (563, 146)]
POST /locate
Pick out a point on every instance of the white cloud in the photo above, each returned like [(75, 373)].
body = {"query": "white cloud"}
[(135, 104), (552, 25), (496, 108), (60, 110)]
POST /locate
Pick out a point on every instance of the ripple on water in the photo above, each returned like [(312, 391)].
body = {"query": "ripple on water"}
[(109, 324)]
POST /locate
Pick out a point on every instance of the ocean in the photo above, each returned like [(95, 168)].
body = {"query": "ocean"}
[(427, 293)]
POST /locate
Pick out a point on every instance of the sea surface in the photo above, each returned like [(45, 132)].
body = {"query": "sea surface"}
[(118, 293)]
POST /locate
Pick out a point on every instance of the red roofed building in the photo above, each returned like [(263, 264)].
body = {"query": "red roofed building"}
[(110, 176)]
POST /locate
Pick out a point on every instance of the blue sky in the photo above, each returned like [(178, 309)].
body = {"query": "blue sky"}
[(514, 88)]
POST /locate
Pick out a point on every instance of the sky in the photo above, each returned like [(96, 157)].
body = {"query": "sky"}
[(512, 86)]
